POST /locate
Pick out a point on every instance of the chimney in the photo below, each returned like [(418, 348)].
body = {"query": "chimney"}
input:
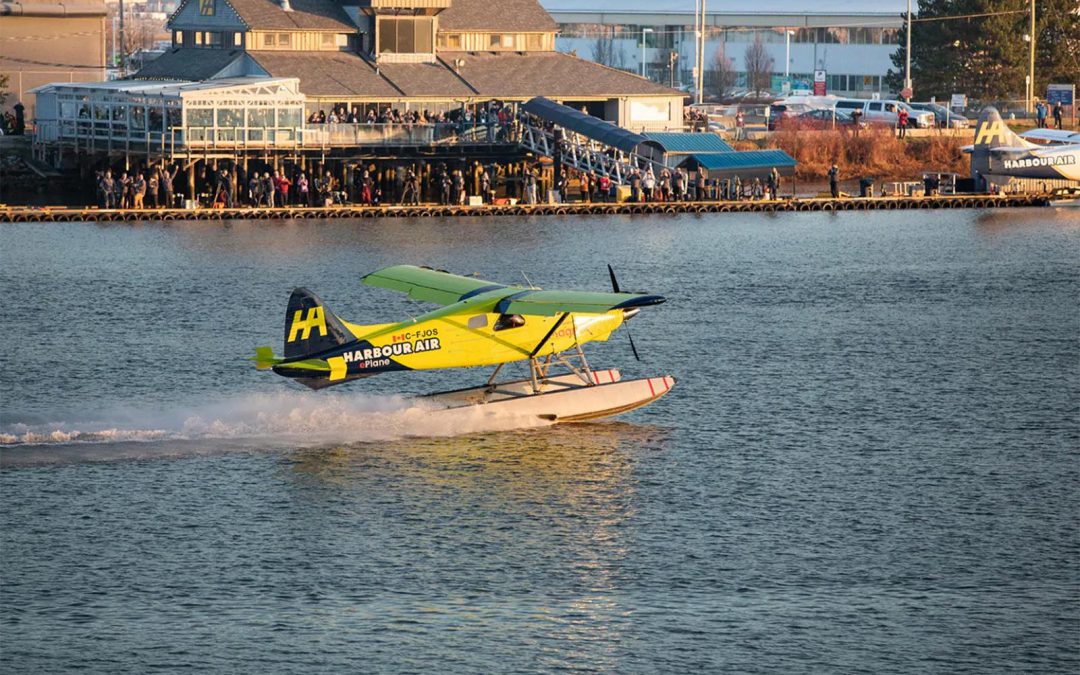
[(285, 5)]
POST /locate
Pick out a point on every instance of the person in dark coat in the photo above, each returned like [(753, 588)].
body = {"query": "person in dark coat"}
[(20, 118), (165, 184), (834, 181)]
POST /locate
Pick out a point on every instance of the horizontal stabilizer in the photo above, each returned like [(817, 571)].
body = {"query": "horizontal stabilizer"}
[(264, 358)]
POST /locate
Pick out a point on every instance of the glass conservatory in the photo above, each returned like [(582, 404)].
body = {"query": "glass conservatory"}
[(227, 113)]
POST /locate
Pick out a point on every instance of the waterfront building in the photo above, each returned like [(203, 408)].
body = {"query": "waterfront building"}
[(431, 56), (42, 42), (850, 40)]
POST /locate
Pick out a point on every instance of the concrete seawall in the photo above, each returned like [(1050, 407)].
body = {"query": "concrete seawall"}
[(22, 214)]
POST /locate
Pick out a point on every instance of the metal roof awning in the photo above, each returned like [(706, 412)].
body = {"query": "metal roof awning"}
[(586, 125), (750, 163), (682, 143)]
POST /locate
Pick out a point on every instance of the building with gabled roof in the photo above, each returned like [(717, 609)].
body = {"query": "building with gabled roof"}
[(434, 55)]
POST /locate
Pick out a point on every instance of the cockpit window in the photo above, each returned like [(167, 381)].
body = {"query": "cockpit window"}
[(509, 321)]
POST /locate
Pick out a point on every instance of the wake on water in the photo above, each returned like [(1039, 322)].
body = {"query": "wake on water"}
[(291, 419)]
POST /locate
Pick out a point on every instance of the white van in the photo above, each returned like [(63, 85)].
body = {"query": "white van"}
[(886, 112)]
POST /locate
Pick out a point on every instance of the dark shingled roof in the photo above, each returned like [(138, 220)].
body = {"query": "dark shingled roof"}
[(509, 16), (509, 75), (305, 15), (424, 79), (551, 74), (327, 73), (188, 64)]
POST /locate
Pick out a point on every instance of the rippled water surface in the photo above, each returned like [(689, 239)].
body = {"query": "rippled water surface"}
[(871, 462)]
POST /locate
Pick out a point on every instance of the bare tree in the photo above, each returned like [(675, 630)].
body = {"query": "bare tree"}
[(720, 79), (141, 32), (606, 51), (758, 66)]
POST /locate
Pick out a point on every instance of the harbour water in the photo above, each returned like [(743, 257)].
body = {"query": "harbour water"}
[(871, 462)]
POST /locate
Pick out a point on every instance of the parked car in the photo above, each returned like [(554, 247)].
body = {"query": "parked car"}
[(943, 117), (886, 112), (824, 119), (780, 112)]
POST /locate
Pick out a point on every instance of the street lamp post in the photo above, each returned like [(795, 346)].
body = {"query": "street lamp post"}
[(701, 59), (643, 32), (787, 58)]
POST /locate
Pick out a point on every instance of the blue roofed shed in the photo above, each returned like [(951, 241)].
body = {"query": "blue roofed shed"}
[(682, 143), (748, 164), (671, 147)]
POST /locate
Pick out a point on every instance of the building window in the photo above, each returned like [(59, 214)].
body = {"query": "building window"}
[(238, 39), (213, 39), (329, 39), (268, 40), (198, 38), (405, 36), (450, 40), (284, 40), (207, 7), (535, 42)]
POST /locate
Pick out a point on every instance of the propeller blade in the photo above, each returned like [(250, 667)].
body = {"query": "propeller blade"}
[(632, 347), (614, 282), (615, 288)]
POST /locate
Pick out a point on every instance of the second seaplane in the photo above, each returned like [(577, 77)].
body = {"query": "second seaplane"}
[(478, 323)]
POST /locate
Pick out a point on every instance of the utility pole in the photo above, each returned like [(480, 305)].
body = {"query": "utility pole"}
[(1031, 64), (123, 47), (907, 53)]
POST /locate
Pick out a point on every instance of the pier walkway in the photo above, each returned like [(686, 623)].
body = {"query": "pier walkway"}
[(23, 214)]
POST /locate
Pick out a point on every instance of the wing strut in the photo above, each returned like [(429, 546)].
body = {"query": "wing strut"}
[(549, 334)]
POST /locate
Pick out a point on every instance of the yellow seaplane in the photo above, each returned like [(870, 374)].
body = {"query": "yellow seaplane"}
[(478, 323)]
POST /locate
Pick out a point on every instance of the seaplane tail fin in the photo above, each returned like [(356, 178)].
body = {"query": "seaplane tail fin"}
[(311, 328), (992, 132)]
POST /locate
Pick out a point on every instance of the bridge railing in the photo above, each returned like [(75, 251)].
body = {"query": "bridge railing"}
[(585, 154)]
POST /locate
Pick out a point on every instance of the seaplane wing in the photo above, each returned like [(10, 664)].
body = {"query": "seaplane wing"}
[(429, 285), (1052, 136), (454, 292), (552, 303)]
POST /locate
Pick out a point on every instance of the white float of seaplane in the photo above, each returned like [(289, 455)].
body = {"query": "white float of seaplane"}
[(479, 323)]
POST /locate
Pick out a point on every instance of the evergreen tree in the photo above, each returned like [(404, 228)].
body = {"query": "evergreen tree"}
[(986, 57), (1057, 52)]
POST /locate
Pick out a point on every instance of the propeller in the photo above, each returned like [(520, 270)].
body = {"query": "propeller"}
[(615, 289)]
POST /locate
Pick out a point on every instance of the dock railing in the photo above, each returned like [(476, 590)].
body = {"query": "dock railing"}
[(86, 135)]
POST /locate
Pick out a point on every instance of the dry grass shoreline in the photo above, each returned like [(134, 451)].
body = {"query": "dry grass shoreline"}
[(874, 153)]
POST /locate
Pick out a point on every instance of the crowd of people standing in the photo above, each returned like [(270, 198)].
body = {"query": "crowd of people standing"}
[(233, 187), (152, 188)]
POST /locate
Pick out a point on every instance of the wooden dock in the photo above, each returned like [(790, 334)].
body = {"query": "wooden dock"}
[(28, 214)]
